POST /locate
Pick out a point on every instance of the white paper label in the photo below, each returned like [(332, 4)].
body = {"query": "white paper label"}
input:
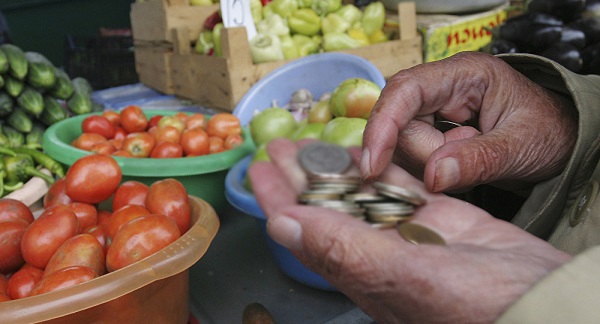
[(236, 13)]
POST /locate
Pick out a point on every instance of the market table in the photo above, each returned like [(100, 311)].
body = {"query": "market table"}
[(238, 268)]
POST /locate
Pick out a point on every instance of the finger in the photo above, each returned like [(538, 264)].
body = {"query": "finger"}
[(282, 153), (271, 187)]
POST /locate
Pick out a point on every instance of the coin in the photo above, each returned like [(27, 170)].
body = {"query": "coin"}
[(324, 158), (419, 234), (399, 193), (445, 125)]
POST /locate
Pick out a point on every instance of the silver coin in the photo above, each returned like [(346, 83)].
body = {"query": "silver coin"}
[(324, 158), (445, 125), (363, 197), (419, 234), (378, 218), (399, 193)]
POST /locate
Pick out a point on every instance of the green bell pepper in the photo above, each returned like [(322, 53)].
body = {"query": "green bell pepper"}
[(266, 48), (323, 7), (334, 23), (373, 17), (304, 21), (306, 3), (306, 45), (273, 24), (256, 10), (205, 43), (284, 8), (359, 35), (350, 13), (216, 35), (20, 168), (289, 48), (339, 41)]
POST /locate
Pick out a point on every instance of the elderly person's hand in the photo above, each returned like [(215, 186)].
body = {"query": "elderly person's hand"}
[(485, 265), (520, 133)]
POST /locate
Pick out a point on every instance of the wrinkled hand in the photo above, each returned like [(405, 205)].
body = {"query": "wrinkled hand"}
[(485, 266), (524, 134)]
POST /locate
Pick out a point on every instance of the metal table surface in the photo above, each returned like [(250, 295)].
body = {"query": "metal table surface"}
[(238, 269)]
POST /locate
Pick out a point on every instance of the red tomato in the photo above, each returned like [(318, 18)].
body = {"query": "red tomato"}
[(112, 116), (170, 198), (98, 232), (4, 298), (56, 194), (11, 235), (63, 278), (22, 282), (167, 133), (223, 124), (116, 143), (93, 178), (194, 141), (133, 120), (122, 153), (140, 238), (167, 150), (49, 231), (153, 121), (233, 141), (14, 209), (99, 125), (120, 133), (85, 141), (103, 148), (80, 250), (86, 214), (3, 285), (181, 116), (172, 121), (103, 217), (130, 192), (196, 120), (122, 216), (139, 144), (215, 144)]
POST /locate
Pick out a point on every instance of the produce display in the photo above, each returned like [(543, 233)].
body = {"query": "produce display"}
[(289, 29), (78, 237), (130, 133), (567, 32)]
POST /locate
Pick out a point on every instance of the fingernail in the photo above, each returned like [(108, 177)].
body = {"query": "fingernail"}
[(365, 164), (446, 173), (285, 231)]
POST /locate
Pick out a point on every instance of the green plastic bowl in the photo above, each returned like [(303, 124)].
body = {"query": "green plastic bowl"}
[(202, 176)]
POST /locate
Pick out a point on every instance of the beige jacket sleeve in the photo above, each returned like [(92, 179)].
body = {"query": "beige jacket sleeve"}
[(570, 294)]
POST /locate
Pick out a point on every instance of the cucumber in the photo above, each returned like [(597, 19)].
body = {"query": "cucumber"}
[(35, 136), (17, 62), (1, 81), (15, 138), (31, 100), (6, 104), (81, 100), (41, 71), (53, 111), (63, 88), (3, 63), (13, 86), (19, 120)]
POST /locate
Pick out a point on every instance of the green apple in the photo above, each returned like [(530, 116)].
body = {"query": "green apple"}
[(308, 130), (272, 123), (354, 97), (344, 131), (319, 112)]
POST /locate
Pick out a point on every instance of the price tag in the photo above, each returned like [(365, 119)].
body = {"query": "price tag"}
[(236, 13)]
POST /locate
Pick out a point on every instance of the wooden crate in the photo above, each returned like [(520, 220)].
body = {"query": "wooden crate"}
[(153, 20), (153, 66), (220, 82)]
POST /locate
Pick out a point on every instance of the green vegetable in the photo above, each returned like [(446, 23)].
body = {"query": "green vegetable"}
[(289, 48), (217, 39), (18, 64), (284, 8), (41, 71), (3, 63), (19, 120), (378, 36), (339, 41), (256, 10), (31, 100), (42, 159), (6, 104), (323, 7), (63, 88), (53, 112), (373, 17), (205, 42), (350, 13), (359, 35), (4, 140), (81, 100), (334, 23), (15, 138), (12, 86), (304, 21), (36, 135), (273, 24), (306, 45), (266, 48), (1, 81), (20, 168), (306, 3)]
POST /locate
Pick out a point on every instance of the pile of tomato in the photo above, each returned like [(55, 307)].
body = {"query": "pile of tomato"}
[(87, 228), (130, 133)]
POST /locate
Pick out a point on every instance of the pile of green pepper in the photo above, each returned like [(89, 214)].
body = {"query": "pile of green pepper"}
[(289, 29), (19, 164)]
